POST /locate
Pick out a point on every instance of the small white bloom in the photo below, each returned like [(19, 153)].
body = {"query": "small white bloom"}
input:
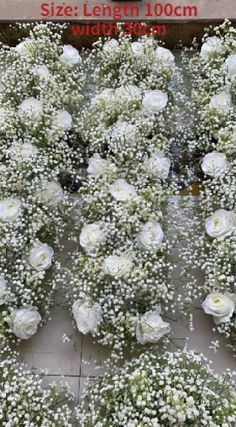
[(221, 306), (154, 101), (151, 328), (111, 46), (42, 72), (3, 290), (88, 316), (9, 209), (118, 266), (128, 93), (165, 56), (31, 108), (40, 256), (70, 56), (122, 191), (124, 130), (215, 164), (91, 236), (158, 165), (212, 46), (24, 48), (98, 166), (24, 322), (221, 102), (137, 48), (24, 152), (151, 235), (221, 224), (3, 116), (52, 193), (230, 66), (63, 120)]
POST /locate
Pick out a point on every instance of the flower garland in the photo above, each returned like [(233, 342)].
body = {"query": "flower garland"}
[(120, 280), (213, 99), (41, 84), (170, 389), (26, 401)]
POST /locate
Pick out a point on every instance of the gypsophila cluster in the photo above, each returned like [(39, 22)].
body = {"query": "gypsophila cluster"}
[(26, 402), (170, 389), (40, 96)]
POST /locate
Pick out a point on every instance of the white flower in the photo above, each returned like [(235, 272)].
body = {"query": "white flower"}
[(221, 306), (118, 266), (52, 193), (105, 96), (124, 130), (88, 316), (98, 166), (151, 328), (128, 93), (3, 290), (158, 165), (110, 46), (40, 256), (165, 56), (24, 48), (63, 120), (3, 116), (24, 152), (212, 46), (215, 164), (221, 224), (91, 236), (151, 235), (31, 108), (70, 56), (137, 48), (24, 322), (230, 66), (122, 191), (42, 72), (9, 209), (221, 102), (154, 101)]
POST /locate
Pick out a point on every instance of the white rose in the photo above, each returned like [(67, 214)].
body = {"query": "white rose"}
[(212, 46), (52, 193), (221, 102), (3, 290), (63, 120), (158, 165), (9, 209), (137, 48), (111, 46), (118, 266), (215, 164), (165, 56), (230, 66), (31, 108), (24, 322), (24, 152), (88, 316), (124, 130), (128, 93), (151, 328), (151, 235), (42, 72), (220, 306), (98, 166), (154, 101), (70, 56), (122, 191), (24, 48), (105, 96), (91, 236), (40, 256), (221, 224)]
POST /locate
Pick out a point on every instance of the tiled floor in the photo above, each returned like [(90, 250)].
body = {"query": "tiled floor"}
[(82, 358)]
